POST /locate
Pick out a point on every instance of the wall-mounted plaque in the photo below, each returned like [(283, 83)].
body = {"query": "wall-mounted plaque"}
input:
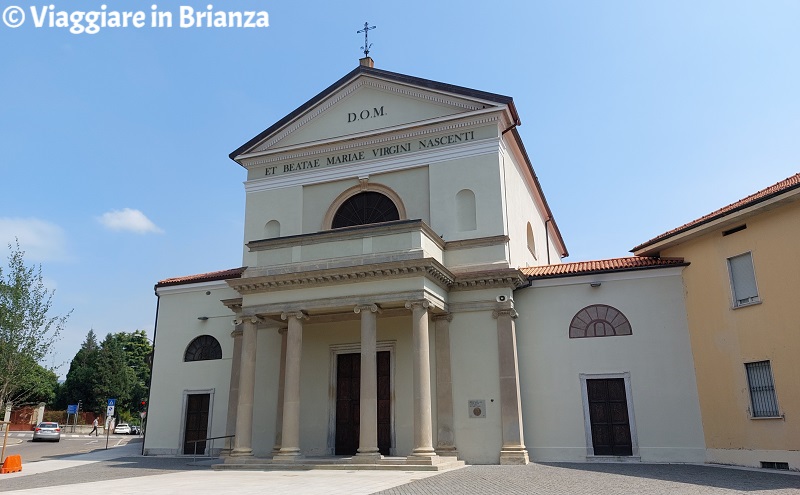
[(477, 408)]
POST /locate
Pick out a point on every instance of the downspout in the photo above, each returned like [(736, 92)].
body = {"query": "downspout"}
[(547, 238), (152, 362)]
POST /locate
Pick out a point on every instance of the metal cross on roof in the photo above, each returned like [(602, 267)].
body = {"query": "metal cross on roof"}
[(366, 31)]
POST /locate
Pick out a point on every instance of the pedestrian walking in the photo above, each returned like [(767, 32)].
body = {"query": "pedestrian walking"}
[(94, 428)]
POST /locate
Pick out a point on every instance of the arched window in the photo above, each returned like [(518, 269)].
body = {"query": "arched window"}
[(365, 208), (272, 229), (599, 320), (466, 213), (531, 240), (203, 348)]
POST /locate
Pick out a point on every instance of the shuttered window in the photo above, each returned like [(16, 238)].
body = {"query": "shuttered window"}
[(743, 280), (763, 401)]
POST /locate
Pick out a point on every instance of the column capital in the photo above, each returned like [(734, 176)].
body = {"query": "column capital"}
[(443, 317), (300, 315), (255, 320), (372, 308), (237, 333), (422, 303), (510, 312)]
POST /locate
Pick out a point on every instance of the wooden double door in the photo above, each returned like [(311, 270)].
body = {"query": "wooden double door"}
[(608, 414), (348, 403), (196, 425)]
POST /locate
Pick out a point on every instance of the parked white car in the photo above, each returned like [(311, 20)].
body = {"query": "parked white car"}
[(122, 429)]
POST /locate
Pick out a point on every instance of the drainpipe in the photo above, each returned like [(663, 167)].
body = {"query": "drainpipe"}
[(153, 360), (547, 238)]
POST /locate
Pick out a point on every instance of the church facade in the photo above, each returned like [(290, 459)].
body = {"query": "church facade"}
[(402, 301)]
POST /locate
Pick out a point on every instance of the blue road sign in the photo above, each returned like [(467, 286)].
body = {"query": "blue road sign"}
[(72, 409), (112, 402)]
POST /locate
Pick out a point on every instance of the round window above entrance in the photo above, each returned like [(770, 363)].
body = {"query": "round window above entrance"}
[(365, 208)]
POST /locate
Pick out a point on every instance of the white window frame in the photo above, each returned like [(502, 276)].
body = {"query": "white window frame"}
[(587, 423), (736, 303)]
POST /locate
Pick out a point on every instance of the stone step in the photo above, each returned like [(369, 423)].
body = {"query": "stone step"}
[(303, 464)]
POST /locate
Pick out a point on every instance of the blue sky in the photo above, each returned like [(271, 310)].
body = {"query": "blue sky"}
[(638, 117)]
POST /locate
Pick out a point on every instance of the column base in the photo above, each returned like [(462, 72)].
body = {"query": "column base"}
[(447, 451), (512, 456), (367, 457), (288, 455), (242, 452)]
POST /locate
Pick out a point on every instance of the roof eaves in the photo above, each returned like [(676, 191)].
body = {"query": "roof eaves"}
[(722, 213)]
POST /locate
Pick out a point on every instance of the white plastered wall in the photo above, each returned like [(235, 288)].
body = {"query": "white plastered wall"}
[(657, 356), (521, 209), (177, 325), (481, 175), (260, 208)]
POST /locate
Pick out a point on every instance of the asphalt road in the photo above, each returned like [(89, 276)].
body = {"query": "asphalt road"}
[(70, 444)]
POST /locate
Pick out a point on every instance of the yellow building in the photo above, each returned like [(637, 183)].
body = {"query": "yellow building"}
[(742, 289)]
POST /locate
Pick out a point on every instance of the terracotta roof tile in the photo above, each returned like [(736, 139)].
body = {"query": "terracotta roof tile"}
[(202, 277), (783, 186), (600, 266)]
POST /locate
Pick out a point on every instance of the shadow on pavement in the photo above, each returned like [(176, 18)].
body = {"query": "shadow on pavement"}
[(710, 476)]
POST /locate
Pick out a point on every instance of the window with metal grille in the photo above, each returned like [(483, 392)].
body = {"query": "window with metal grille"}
[(763, 401), (743, 280), (203, 348), (365, 208)]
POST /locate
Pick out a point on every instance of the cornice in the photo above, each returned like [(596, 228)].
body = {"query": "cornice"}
[(477, 242), (504, 278), (370, 139), (234, 305)]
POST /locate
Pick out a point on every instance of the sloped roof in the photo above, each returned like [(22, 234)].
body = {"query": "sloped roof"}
[(600, 266), (781, 187), (384, 74), (202, 277)]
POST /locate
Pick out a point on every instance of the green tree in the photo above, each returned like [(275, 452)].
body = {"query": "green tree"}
[(27, 333), (83, 375), (116, 368)]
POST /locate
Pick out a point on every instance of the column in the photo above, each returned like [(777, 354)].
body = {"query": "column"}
[(233, 394), (242, 445), (423, 430), (281, 379), (513, 450), (368, 428), (290, 436), (445, 430)]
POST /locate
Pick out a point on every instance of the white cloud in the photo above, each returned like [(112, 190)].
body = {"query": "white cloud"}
[(41, 240), (130, 220)]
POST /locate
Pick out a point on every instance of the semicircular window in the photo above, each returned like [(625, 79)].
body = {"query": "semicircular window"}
[(365, 208), (599, 320), (203, 348)]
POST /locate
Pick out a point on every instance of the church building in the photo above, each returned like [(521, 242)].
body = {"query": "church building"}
[(402, 301)]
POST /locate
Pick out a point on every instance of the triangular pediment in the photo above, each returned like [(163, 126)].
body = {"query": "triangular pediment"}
[(370, 101)]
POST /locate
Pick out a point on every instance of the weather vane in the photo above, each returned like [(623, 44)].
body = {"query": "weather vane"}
[(367, 44)]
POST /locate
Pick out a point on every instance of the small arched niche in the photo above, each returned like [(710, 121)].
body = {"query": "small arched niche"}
[(531, 241), (272, 229), (466, 212)]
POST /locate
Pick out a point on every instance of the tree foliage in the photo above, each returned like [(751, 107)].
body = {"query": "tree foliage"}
[(115, 368), (27, 332)]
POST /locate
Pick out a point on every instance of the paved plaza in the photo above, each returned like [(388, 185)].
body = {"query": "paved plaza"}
[(122, 471)]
